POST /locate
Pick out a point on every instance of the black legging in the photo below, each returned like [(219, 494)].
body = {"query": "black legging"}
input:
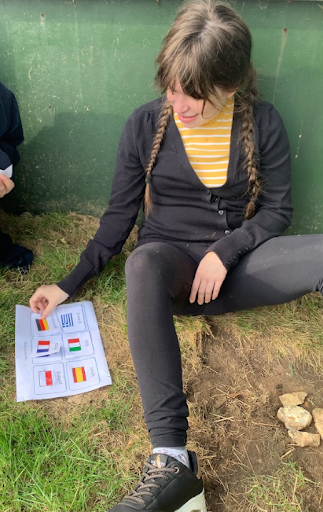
[(159, 278)]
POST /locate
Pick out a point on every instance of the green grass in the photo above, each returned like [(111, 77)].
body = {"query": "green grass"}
[(300, 322), (280, 491), (48, 461), (46, 466), (80, 455)]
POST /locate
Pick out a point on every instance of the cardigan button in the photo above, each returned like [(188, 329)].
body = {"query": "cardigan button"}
[(227, 232), (246, 248), (220, 212)]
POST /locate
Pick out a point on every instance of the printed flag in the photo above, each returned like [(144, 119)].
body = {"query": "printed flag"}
[(74, 344), (45, 378), (43, 346), (67, 320), (79, 374), (42, 325)]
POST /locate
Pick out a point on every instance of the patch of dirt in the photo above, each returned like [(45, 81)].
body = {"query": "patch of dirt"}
[(234, 401)]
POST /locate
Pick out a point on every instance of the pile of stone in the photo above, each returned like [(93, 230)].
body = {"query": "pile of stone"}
[(296, 418)]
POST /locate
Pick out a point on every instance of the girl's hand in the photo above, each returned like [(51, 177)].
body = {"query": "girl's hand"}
[(208, 279), (46, 298), (6, 185)]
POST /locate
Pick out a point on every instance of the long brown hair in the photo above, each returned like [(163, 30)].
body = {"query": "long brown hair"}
[(209, 47)]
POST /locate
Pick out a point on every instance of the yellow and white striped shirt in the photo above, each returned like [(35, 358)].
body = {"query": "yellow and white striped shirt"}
[(208, 146)]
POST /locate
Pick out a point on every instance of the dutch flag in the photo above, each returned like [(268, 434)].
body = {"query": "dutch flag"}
[(43, 346)]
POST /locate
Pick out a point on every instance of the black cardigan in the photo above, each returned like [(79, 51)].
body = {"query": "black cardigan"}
[(184, 210), (11, 134)]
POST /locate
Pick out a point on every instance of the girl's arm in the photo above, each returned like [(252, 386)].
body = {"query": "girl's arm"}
[(273, 209), (115, 226), (118, 220)]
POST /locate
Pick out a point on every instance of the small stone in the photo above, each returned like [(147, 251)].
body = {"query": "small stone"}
[(318, 420), (295, 398), (218, 402), (294, 417), (306, 405), (304, 438)]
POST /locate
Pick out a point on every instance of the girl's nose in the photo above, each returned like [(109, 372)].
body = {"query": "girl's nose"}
[(178, 101), (180, 105)]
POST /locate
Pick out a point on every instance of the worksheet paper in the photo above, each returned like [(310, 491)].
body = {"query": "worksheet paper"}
[(60, 356), (7, 172)]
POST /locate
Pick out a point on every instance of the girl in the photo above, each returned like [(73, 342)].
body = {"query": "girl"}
[(212, 163)]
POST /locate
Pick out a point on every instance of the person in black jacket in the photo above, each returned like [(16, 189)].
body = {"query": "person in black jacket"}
[(211, 163), (11, 135)]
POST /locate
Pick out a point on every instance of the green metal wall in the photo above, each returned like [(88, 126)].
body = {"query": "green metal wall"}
[(78, 69)]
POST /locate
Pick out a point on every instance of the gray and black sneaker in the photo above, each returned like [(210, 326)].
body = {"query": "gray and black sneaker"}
[(166, 485)]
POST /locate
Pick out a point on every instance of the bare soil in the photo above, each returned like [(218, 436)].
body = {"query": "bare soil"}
[(232, 382), (235, 398)]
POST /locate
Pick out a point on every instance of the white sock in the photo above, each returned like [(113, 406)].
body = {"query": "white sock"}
[(179, 453)]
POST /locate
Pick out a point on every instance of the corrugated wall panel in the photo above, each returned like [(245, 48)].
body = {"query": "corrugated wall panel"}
[(78, 69)]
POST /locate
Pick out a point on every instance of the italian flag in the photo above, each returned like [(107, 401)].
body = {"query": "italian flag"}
[(79, 374), (45, 378), (74, 344)]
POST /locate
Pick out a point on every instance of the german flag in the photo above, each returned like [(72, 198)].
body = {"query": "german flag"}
[(42, 325), (79, 374)]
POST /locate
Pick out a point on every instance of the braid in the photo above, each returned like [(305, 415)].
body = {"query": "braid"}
[(162, 125), (246, 102)]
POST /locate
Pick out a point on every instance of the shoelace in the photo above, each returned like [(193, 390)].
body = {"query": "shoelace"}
[(151, 473)]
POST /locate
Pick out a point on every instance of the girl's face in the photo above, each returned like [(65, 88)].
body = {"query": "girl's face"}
[(190, 111)]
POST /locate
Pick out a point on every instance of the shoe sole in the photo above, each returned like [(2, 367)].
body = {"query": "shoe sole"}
[(196, 504)]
